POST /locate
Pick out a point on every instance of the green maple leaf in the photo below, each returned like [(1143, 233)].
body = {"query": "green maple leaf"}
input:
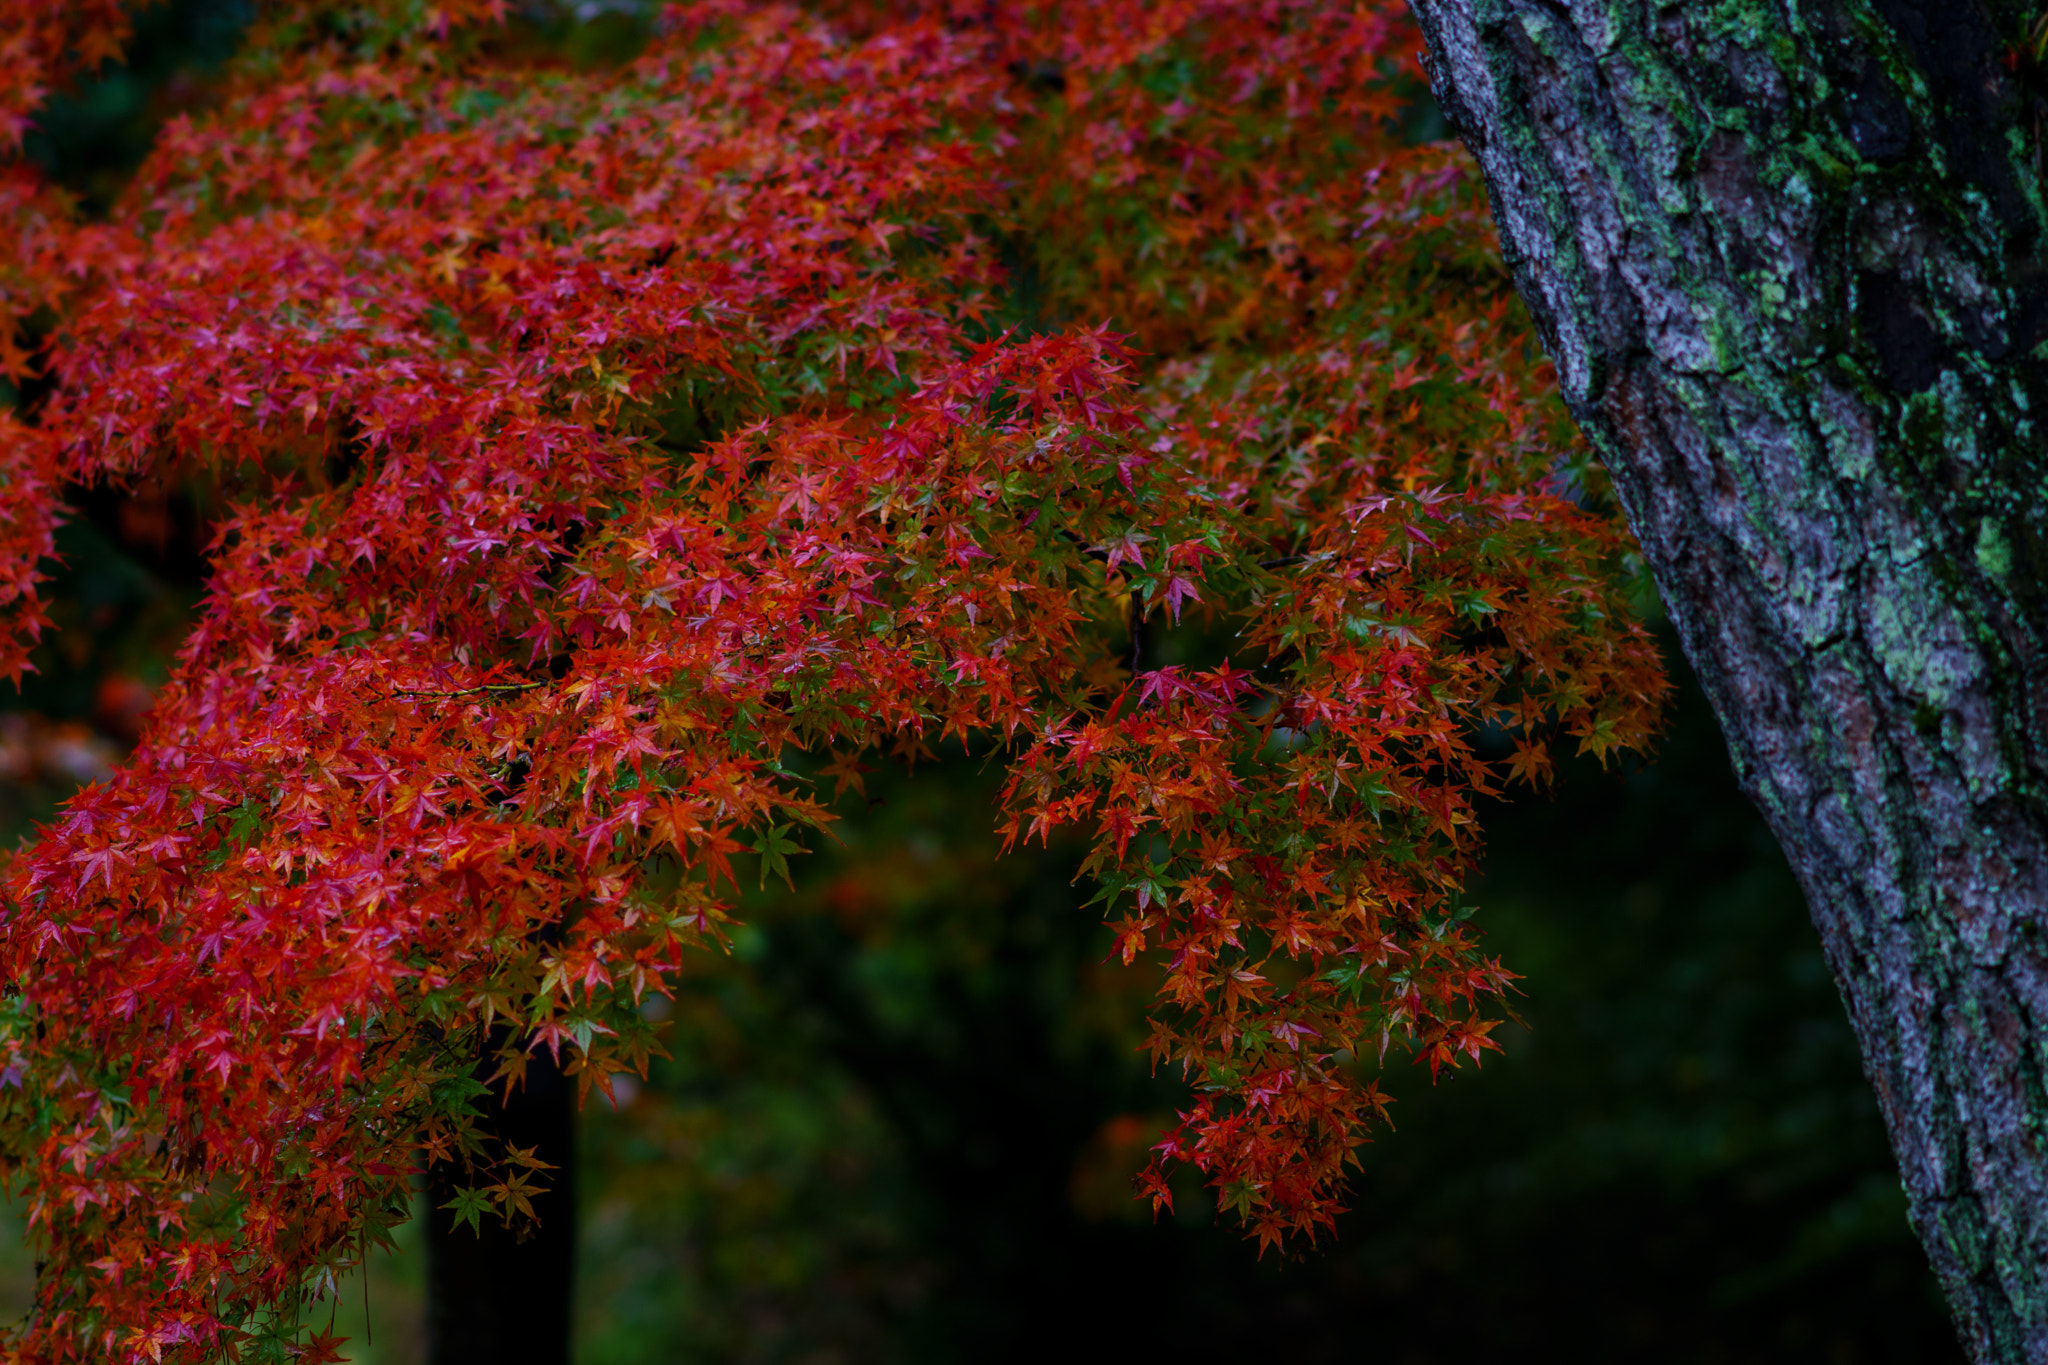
[(469, 1206), (775, 846)]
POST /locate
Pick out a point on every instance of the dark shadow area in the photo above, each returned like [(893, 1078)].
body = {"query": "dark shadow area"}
[(499, 1294), (914, 1109)]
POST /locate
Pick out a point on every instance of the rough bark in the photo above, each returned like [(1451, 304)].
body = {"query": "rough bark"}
[(1788, 258)]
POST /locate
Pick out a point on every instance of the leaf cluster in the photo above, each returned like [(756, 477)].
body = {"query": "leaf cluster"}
[(601, 454)]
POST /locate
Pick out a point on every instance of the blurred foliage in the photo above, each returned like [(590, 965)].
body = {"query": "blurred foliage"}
[(901, 1116), (90, 139)]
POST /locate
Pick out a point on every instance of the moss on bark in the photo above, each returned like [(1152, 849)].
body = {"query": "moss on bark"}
[(1788, 257)]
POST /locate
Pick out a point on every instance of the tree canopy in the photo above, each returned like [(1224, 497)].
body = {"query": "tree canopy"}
[(603, 461)]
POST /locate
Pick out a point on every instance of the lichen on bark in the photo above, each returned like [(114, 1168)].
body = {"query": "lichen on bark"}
[(1788, 258)]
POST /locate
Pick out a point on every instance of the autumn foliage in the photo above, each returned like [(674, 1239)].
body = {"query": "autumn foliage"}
[(606, 461)]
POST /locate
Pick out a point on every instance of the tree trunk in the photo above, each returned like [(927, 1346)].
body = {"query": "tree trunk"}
[(502, 1296), (1787, 257)]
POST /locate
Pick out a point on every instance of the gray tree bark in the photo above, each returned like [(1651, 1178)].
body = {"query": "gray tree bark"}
[(1788, 258)]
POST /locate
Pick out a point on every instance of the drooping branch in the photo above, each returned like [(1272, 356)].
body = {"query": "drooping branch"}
[(682, 380)]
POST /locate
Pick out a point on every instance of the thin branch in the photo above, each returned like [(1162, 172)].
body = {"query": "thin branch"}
[(468, 691)]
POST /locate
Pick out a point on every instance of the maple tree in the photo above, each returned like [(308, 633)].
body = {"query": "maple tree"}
[(608, 460)]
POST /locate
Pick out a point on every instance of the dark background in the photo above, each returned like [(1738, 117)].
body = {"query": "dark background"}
[(900, 1119)]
